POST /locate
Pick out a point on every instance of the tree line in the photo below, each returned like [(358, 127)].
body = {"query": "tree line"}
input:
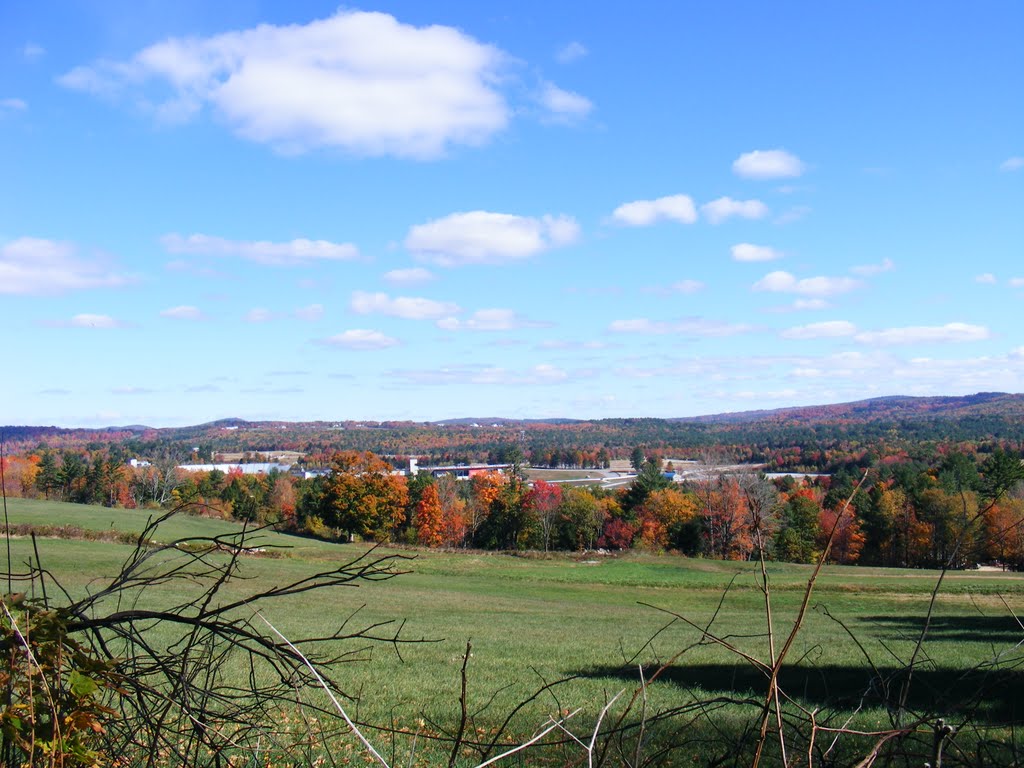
[(912, 514)]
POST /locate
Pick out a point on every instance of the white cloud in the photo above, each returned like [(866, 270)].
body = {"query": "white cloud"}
[(131, 391), (312, 313), (86, 320), (408, 307), (482, 237), (924, 334), (750, 252), (1012, 164), (488, 320), (562, 344), (32, 51), (563, 105), (869, 270), (724, 208), (690, 326), (93, 321), (807, 373), (687, 287), (409, 276), (361, 339), (768, 164), (986, 278), (34, 266), (543, 373), (643, 213), (184, 312), (291, 253), (13, 105), (831, 329), (538, 374), (794, 214), (1017, 282), (363, 82), (784, 282), (572, 51), (810, 304), (259, 315)]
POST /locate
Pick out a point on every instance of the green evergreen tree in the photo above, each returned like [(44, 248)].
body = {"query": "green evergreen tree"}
[(48, 479)]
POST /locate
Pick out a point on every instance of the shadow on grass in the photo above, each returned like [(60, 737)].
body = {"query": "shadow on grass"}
[(999, 630), (989, 695)]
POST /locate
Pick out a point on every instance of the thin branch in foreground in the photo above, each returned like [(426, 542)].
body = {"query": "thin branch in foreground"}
[(327, 689)]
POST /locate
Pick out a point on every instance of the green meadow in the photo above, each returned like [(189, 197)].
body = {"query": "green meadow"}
[(604, 623)]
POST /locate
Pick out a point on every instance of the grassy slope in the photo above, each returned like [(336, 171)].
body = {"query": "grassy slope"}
[(533, 619)]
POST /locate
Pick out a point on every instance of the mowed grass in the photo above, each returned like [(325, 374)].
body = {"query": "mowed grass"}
[(598, 620)]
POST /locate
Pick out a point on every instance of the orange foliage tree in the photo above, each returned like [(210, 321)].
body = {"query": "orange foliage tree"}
[(453, 511), (661, 515), (849, 539), (484, 489), (363, 497), (429, 518), (1004, 526)]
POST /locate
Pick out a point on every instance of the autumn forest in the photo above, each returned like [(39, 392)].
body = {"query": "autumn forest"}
[(936, 481)]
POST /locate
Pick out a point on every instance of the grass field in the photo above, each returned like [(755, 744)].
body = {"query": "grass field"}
[(600, 620)]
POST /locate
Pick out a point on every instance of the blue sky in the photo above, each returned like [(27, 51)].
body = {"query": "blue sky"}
[(419, 211)]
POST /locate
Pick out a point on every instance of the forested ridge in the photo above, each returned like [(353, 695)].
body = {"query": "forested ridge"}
[(826, 436), (934, 467)]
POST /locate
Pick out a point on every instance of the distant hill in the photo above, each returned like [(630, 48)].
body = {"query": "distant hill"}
[(879, 409), (750, 435), (502, 422)]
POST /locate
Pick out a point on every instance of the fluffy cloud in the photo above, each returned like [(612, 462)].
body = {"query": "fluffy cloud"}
[(538, 374), (925, 334), (408, 276), (482, 237), (563, 105), (643, 213), (750, 252), (291, 253), (986, 278), (794, 214), (686, 287), (543, 373), (312, 313), (93, 321), (488, 320), (33, 266), (363, 82), (724, 208), (1017, 282), (13, 105), (831, 329), (131, 391), (690, 326), (408, 307), (361, 339), (184, 312), (572, 345), (259, 315), (768, 164), (784, 282), (86, 320), (571, 52), (813, 304), (1012, 164), (869, 270)]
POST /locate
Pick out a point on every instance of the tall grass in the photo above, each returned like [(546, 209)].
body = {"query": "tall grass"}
[(606, 625)]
